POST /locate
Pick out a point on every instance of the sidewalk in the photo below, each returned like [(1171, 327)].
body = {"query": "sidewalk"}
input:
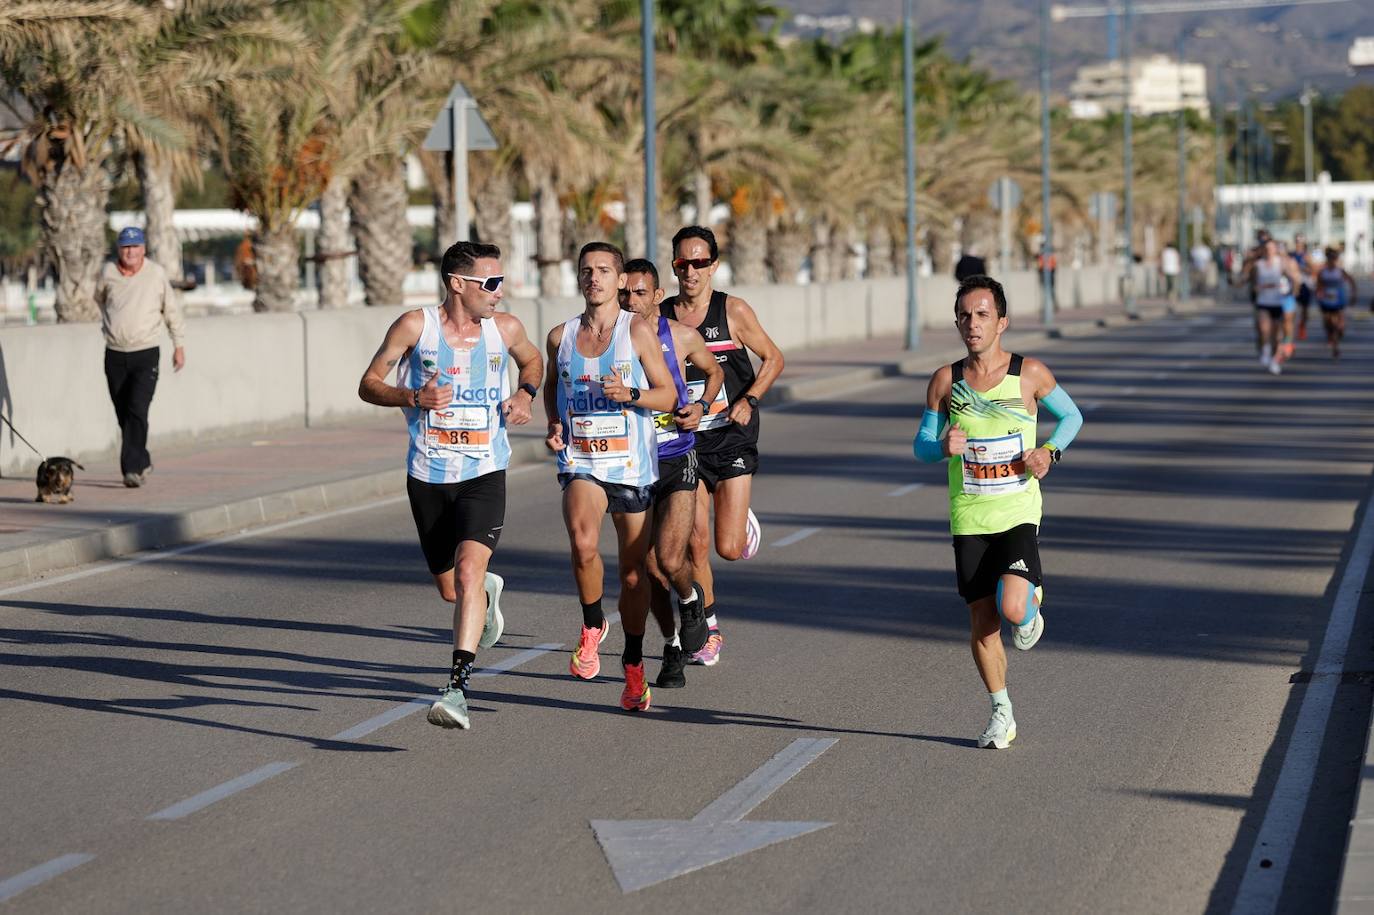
[(234, 484)]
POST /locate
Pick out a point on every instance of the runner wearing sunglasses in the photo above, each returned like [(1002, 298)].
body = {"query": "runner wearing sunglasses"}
[(452, 382), (728, 436), (606, 377)]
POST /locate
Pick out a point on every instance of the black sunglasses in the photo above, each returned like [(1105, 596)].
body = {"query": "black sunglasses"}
[(701, 263)]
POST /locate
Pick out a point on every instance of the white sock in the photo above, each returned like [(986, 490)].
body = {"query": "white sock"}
[(674, 642), (711, 622), (1000, 698)]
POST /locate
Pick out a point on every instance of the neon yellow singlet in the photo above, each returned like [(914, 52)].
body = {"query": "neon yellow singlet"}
[(990, 490)]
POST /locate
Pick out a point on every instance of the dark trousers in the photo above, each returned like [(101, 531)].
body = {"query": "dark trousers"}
[(132, 378)]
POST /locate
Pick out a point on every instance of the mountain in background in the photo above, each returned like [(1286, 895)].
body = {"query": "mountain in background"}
[(1284, 47)]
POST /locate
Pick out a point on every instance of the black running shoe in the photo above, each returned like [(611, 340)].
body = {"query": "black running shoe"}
[(692, 625), (671, 675)]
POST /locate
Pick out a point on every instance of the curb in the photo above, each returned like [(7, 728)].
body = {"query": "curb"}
[(30, 562)]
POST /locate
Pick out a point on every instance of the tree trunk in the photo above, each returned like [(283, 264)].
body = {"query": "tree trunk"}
[(636, 241), (701, 194), (436, 168), (786, 251), (378, 202), (491, 206), (748, 250), (276, 255), (159, 203), (843, 243), (821, 267), (940, 251), (72, 203), (879, 251), (334, 243), (548, 234)]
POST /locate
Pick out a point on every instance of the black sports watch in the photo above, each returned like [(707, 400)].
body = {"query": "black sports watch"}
[(705, 406), (634, 394), (753, 401), (1055, 453), (530, 390)]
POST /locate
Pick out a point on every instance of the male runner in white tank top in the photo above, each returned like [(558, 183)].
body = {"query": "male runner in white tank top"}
[(456, 475)]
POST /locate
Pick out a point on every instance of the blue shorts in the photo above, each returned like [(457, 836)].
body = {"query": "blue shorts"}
[(1290, 304)]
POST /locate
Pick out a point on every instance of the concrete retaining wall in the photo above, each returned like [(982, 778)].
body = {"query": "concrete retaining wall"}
[(256, 372)]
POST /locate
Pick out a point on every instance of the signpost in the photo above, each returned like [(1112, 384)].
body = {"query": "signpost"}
[(460, 135)]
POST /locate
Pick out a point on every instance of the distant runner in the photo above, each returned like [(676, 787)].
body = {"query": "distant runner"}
[(1336, 289), (1273, 276)]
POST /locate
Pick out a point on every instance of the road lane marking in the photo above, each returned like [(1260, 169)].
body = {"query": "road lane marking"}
[(1128, 392), (377, 722), (220, 792), (1262, 882), (903, 490), (36, 875), (642, 853), (219, 541), (796, 536)]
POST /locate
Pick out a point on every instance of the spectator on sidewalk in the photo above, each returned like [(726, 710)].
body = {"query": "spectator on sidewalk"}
[(970, 264), (136, 299), (1170, 264), (1201, 257)]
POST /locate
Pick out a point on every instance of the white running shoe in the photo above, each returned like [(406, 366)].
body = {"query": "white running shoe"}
[(1266, 356), (1001, 730), (1275, 367), (753, 536), (1025, 637), (496, 623)]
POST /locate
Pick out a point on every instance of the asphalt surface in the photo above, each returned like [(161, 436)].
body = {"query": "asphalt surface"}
[(1193, 539)]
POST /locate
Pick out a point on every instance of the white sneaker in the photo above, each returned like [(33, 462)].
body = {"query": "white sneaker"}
[(1025, 637), (753, 536), (1266, 356), (496, 623), (1001, 730), (1275, 367)]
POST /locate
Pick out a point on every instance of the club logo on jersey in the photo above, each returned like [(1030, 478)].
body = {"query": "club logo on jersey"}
[(495, 362), (712, 332)]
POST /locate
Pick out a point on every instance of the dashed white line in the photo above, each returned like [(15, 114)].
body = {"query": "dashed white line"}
[(796, 536), (903, 490), (220, 792), (36, 875)]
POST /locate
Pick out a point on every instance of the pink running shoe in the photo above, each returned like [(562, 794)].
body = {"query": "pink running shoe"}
[(753, 536), (586, 663), (636, 696), (710, 652)]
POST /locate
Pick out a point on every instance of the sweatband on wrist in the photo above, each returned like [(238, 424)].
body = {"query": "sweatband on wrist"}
[(1061, 406), (927, 445)]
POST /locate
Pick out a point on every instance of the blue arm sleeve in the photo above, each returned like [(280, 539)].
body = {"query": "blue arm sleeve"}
[(927, 442), (1062, 408)]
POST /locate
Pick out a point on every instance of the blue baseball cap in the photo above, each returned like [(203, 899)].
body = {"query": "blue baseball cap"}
[(130, 235)]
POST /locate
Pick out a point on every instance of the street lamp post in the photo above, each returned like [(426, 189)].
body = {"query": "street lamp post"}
[(650, 131), (1047, 236), (913, 323), (1184, 281), (1306, 100), (1128, 210)]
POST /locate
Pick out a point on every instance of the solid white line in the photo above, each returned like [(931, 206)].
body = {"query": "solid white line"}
[(220, 792), (377, 722), (796, 536), (220, 541), (1128, 392), (36, 875), (1090, 405), (1262, 884), (903, 490)]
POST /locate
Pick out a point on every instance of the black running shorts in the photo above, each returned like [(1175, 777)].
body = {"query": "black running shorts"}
[(980, 560), (446, 514), (620, 499), (678, 474), (725, 465)]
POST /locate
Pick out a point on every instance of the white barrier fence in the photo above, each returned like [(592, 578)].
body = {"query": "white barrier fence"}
[(247, 373)]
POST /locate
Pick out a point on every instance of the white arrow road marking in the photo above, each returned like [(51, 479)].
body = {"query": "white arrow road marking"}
[(645, 852), (36, 875), (903, 490)]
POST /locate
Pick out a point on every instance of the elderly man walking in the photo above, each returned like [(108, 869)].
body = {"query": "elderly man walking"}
[(136, 299)]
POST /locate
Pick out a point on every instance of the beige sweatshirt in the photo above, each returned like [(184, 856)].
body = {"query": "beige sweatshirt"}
[(134, 308)]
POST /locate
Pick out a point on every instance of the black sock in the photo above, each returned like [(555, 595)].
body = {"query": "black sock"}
[(462, 669), (592, 617), (634, 649)]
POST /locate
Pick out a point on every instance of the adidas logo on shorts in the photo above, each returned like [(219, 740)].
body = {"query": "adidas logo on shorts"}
[(1018, 566), (738, 463)]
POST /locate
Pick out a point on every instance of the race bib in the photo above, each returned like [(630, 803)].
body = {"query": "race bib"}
[(993, 466), (665, 429), (601, 436), (460, 429), (719, 414)]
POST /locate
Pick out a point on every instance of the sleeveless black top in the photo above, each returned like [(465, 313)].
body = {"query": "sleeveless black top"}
[(739, 375)]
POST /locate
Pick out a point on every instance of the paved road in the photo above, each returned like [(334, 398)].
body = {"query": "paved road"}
[(1193, 542)]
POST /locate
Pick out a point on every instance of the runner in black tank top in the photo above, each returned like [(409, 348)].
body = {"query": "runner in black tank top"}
[(727, 439)]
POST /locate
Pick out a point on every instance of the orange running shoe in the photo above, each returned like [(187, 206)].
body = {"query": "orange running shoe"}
[(586, 663), (637, 695)]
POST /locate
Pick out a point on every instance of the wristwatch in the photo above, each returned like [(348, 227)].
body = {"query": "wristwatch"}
[(753, 401), (530, 390), (1055, 453), (415, 397), (634, 394), (705, 406)]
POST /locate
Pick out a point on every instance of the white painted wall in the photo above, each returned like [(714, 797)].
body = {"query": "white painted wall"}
[(263, 371)]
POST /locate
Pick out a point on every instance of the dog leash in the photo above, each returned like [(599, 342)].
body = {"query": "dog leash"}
[(21, 437)]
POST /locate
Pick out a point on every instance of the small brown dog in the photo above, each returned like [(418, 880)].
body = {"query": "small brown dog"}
[(55, 476)]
